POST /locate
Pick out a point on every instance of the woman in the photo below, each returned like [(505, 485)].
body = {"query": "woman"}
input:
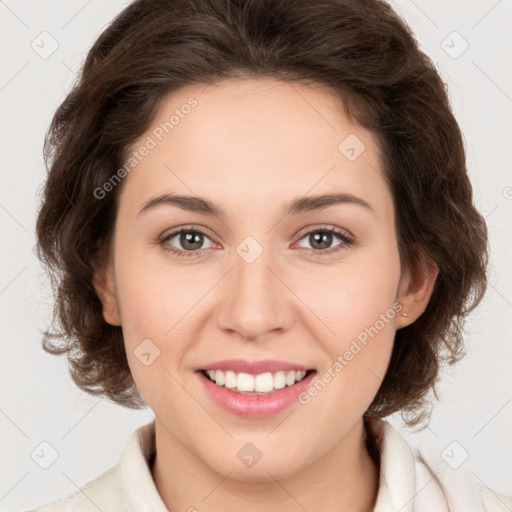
[(260, 223)]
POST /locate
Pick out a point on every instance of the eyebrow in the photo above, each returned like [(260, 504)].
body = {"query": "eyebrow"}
[(300, 205)]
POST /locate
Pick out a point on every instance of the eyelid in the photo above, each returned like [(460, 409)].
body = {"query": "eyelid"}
[(326, 227), (189, 227)]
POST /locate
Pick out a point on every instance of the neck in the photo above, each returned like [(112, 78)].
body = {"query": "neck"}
[(346, 478)]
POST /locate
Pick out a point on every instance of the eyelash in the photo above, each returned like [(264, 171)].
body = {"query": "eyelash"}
[(347, 241)]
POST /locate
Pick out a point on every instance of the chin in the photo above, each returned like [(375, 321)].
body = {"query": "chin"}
[(266, 469)]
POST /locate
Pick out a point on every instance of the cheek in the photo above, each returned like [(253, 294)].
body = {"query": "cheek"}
[(155, 299), (357, 302), (150, 306), (354, 296), (156, 313), (357, 354)]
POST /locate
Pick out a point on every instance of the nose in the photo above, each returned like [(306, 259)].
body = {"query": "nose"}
[(254, 302)]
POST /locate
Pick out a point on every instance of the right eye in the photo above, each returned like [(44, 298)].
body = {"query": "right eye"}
[(188, 238)]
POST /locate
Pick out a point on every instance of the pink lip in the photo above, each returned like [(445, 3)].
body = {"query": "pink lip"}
[(255, 406), (254, 367)]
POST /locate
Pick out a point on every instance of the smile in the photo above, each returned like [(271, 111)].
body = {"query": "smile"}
[(263, 383), (254, 395)]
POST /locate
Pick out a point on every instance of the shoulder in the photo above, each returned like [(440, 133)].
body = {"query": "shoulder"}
[(420, 479), (495, 502), (126, 486), (102, 493), (459, 486)]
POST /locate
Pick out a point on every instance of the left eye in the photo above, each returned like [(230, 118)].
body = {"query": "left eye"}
[(321, 239)]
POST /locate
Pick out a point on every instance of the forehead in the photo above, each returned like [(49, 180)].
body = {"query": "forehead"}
[(252, 140)]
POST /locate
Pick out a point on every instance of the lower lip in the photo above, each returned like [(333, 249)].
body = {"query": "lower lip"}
[(255, 406)]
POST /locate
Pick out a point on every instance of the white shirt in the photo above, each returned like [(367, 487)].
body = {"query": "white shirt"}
[(410, 481)]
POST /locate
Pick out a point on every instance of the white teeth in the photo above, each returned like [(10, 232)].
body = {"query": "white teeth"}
[(264, 382), (245, 382), (230, 380), (261, 383), (219, 377), (279, 380)]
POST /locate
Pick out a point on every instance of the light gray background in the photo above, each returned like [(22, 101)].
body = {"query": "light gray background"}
[(39, 401)]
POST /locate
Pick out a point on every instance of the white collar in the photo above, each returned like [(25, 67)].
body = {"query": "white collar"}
[(415, 481), (138, 488), (408, 483)]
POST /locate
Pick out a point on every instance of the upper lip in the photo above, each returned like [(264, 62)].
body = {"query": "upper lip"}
[(254, 367)]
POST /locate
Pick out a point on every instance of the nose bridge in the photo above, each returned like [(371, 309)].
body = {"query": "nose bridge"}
[(253, 301)]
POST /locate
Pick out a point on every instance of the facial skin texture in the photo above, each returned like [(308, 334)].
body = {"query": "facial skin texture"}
[(252, 146)]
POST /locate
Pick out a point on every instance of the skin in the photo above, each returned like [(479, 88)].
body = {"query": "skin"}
[(252, 146)]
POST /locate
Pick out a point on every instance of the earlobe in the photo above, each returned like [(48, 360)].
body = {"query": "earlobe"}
[(415, 290), (104, 285)]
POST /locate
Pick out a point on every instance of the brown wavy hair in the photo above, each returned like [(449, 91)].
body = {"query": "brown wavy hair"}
[(362, 51)]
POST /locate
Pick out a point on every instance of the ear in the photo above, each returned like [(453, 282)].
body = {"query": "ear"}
[(415, 289), (104, 284)]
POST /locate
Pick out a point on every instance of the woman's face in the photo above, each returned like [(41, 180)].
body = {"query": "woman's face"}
[(264, 281)]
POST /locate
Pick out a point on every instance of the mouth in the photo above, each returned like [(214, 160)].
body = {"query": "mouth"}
[(260, 384), (254, 389)]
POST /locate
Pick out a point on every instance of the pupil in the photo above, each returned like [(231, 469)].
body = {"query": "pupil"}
[(318, 237), (190, 238)]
